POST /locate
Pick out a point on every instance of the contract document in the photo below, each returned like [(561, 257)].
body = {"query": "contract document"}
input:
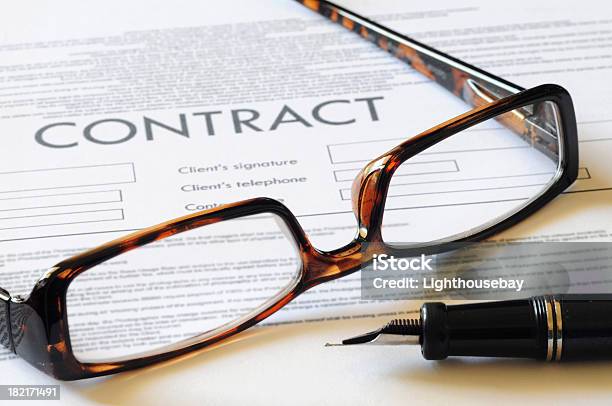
[(121, 115)]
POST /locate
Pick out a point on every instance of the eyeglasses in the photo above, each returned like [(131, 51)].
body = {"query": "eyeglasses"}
[(116, 307)]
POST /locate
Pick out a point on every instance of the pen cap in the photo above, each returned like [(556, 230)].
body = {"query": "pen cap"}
[(514, 328)]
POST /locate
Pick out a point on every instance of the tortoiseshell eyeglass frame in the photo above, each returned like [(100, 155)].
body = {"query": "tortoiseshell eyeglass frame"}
[(36, 327)]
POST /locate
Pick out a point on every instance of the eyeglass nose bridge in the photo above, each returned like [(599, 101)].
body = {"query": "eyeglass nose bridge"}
[(368, 194)]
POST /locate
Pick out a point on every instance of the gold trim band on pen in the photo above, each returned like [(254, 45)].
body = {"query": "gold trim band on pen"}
[(554, 329), (559, 335), (550, 331)]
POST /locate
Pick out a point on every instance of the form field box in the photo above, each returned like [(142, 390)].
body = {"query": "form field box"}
[(398, 188), (484, 186), (583, 174), (405, 169), (56, 178), (41, 220), (360, 151), (43, 201)]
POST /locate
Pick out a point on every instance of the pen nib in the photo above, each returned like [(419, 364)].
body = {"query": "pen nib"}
[(399, 331), (363, 338)]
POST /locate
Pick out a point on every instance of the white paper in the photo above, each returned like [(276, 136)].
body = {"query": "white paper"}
[(147, 64)]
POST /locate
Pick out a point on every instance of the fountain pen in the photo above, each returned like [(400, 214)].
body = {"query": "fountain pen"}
[(552, 328)]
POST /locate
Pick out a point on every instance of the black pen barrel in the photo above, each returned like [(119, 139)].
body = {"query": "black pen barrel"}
[(553, 328)]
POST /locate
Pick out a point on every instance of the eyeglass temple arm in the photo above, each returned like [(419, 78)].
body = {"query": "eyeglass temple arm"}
[(473, 85), (6, 338)]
